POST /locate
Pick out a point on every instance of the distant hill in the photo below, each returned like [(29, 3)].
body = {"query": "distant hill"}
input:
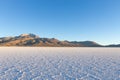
[(34, 40), (113, 45), (87, 43)]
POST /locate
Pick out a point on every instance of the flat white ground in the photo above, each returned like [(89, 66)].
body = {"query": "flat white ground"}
[(45, 63)]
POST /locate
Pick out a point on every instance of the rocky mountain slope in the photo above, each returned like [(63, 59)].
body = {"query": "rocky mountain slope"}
[(34, 40)]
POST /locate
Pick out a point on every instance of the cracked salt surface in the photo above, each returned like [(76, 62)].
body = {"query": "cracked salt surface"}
[(45, 63)]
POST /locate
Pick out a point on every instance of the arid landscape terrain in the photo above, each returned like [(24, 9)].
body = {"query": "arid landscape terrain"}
[(34, 40), (59, 39), (58, 63)]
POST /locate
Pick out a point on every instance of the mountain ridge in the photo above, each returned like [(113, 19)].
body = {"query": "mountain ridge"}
[(34, 40)]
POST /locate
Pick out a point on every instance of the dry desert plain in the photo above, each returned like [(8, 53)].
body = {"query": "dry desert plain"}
[(59, 63)]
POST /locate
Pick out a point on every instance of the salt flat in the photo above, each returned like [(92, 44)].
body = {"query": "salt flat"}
[(56, 63)]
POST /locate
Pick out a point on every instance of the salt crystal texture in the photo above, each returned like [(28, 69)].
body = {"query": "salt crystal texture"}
[(58, 63)]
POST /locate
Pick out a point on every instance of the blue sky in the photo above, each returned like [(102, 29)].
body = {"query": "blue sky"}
[(80, 20)]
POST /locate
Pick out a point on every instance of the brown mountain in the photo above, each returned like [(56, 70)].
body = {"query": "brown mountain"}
[(34, 40)]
